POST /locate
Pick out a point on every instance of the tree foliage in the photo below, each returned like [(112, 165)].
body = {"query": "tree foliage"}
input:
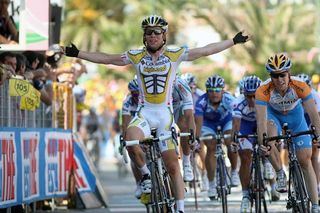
[(114, 26)]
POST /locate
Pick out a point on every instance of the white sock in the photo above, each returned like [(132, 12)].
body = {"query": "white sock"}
[(245, 193), (144, 170), (180, 205), (186, 159)]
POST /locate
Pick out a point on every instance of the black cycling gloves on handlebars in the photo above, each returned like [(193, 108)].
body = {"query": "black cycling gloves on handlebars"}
[(72, 51), (239, 38)]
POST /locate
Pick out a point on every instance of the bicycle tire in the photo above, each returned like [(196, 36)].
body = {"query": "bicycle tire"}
[(257, 186), (222, 184), (156, 197), (168, 195), (302, 200)]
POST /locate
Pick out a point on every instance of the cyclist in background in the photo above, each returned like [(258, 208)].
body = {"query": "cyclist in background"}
[(278, 101), (156, 68), (129, 109), (214, 109), (315, 151), (183, 115), (196, 93), (244, 122)]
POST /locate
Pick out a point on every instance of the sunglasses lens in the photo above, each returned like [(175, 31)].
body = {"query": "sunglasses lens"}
[(155, 31), (214, 89), (281, 75), (250, 96)]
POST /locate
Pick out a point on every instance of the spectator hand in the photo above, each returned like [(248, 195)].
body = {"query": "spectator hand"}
[(239, 38), (72, 51)]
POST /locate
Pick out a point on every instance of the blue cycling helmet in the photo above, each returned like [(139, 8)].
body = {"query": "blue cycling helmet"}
[(189, 78), (241, 84), (251, 84), (133, 85), (306, 78), (215, 81)]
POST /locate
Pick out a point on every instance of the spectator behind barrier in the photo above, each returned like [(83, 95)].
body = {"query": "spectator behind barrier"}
[(21, 64), (39, 76)]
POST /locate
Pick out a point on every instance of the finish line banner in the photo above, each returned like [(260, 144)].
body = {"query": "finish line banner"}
[(35, 164)]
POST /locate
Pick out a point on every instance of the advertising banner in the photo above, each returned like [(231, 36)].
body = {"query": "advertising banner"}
[(34, 164)]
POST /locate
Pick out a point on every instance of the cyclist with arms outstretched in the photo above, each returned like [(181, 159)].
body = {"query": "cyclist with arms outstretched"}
[(278, 101), (156, 67)]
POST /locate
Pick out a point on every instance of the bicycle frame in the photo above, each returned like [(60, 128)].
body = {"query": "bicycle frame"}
[(222, 175), (298, 198), (297, 191), (162, 199), (257, 185)]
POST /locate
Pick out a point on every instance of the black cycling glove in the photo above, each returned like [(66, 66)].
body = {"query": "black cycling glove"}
[(72, 51), (239, 38)]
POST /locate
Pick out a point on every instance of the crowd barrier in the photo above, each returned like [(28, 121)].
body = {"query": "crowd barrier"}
[(38, 157)]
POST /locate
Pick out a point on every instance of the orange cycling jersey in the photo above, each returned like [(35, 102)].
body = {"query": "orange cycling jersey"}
[(267, 95)]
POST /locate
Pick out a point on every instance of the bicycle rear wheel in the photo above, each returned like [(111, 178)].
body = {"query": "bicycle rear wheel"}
[(222, 184), (302, 199)]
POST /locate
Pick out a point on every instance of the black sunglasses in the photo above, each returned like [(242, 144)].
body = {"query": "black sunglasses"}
[(250, 96), (277, 75), (155, 31)]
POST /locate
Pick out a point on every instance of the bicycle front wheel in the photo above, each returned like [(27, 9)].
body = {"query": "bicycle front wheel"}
[(156, 194), (258, 188), (222, 184), (302, 199)]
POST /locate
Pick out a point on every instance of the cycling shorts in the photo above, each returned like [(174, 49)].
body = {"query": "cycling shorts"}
[(247, 127), (159, 117), (296, 123), (211, 130)]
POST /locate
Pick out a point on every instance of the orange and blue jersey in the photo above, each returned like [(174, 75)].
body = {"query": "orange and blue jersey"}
[(287, 108)]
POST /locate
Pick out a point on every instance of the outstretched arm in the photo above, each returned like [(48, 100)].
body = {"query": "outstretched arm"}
[(213, 48), (95, 57)]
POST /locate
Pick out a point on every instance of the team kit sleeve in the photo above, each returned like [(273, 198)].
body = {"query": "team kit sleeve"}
[(236, 108), (302, 89), (263, 94), (126, 106), (185, 93), (200, 105)]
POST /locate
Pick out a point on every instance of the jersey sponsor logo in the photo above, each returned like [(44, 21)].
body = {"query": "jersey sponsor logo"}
[(155, 69)]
